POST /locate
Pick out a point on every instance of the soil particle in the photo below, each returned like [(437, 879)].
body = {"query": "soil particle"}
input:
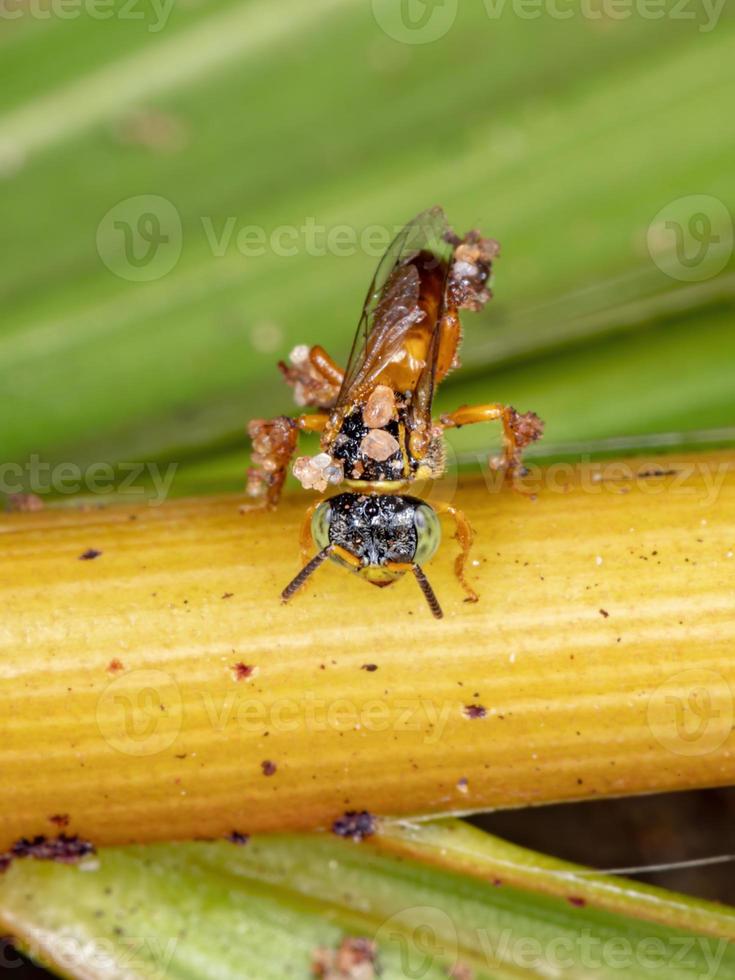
[(268, 767), (24, 503), (355, 959), (238, 838), (355, 824), (89, 554), (474, 711), (460, 971), (115, 666), (657, 472), (64, 849), (369, 667), (242, 671)]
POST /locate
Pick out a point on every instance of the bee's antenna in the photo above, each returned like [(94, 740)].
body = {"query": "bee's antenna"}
[(427, 590), (305, 572)]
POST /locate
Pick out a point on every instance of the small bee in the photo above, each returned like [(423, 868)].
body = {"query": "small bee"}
[(377, 432)]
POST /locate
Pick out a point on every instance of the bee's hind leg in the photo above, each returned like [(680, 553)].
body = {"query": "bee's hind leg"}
[(464, 535)]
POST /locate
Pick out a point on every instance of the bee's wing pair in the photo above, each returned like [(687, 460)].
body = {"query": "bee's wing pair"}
[(422, 249)]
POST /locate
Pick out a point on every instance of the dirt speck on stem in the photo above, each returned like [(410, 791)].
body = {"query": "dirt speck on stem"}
[(89, 554), (356, 825), (474, 711)]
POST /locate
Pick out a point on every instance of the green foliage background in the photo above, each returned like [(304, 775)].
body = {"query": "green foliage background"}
[(563, 138)]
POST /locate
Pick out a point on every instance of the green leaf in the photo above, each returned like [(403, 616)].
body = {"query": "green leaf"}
[(262, 911), (561, 138)]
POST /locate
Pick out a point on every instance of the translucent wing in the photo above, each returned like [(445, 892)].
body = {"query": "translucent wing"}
[(393, 304)]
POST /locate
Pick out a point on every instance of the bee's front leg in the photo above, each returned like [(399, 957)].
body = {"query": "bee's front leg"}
[(519, 429)]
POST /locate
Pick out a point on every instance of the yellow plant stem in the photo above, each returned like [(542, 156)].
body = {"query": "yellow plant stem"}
[(160, 690)]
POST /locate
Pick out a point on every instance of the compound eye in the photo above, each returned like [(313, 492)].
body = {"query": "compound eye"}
[(428, 533), (320, 524)]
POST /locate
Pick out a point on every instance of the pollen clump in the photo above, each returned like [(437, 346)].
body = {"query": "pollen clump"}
[(317, 472), (379, 408), (379, 445)]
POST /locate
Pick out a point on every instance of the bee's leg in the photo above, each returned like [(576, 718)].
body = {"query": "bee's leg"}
[(519, 430), (274, 443), (306, 572), (315, 378), (315, 422), (326, 366), (464, 536)]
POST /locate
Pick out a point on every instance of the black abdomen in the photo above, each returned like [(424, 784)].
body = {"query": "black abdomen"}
[(359, 465)]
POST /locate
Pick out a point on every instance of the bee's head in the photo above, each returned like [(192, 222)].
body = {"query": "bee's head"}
[(378, 536)]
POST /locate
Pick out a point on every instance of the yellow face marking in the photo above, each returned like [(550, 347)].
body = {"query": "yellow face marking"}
[(376, 486), (379, 574), (404, 450)]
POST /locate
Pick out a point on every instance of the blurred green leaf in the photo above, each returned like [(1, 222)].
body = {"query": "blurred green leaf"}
[(264, 910), (564, 139)]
